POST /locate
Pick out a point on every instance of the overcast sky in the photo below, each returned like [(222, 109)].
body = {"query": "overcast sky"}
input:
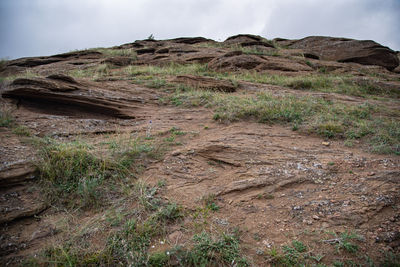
[(45, 27)]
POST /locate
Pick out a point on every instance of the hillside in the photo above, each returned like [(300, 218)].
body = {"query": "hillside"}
[(192, 152)]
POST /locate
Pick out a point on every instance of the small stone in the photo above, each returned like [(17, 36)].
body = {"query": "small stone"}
[(176, 153), (371, 174), (259, 252), (315, 217), (325, 225), (326, 143)]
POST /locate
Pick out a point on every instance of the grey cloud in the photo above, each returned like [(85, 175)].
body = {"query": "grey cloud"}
[(44, 27)]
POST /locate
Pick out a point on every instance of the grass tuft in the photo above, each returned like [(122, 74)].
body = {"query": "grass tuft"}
[(6, 118), (207, 251), (72, 174)]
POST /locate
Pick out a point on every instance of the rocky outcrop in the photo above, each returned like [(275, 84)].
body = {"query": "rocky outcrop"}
[(19, 202), (190, 40), (149, 50), (260, 63), (206, 83), (65, 91), (248, 40), (37, 61), (19, 197), (16, 174), (348, 50)]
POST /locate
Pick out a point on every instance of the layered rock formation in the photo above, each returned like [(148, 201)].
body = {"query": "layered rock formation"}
[(348, 50)]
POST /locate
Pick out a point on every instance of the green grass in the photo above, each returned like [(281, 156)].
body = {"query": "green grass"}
[(306, 114), (3, 63), (314, 82), (346, 242), (95, 73), (6, 118), (74, 176), (209, 202), (309, 114), (129, 52), (129, 243), (21, 130), (295, 254), (347, 254), (168, 69), (28, 74), (208, 251), (256, 51), (329, 83)]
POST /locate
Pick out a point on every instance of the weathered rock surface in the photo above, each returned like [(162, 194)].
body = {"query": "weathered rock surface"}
[(191, 40), (17, 174), (206, 83), (349, 50), (37, 61), (67, 92), (248, 40), (240, 38), (20, 202), (260, 63)]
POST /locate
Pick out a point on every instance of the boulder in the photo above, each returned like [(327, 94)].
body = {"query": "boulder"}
[(348, 50), (248, 40), (242, 38), (206, 83)]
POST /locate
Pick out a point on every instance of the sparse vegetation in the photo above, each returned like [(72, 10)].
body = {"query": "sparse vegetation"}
[(345, 242), (210, 202), (113, 52), (295, 254), (111, 192), (6, 118), (73, 176), (257, 51), (3, 63), (21, 130), (307, 114), (129, 245), (209, 251)]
